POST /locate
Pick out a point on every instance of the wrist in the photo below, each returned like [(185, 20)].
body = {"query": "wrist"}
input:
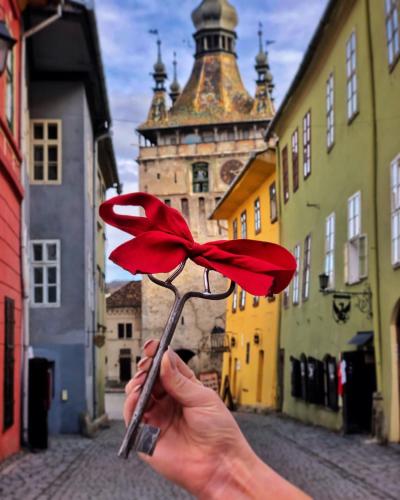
[(233, 476)]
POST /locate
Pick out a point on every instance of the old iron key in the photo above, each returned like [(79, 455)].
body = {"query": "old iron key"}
[(143, 437)]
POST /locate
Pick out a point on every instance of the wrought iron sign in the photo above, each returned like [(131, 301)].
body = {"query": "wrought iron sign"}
[(342, 301)]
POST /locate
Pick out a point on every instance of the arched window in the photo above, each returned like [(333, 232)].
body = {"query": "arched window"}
[(200, 177)]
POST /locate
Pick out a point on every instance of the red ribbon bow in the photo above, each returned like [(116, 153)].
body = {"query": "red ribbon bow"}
[(163, 240)]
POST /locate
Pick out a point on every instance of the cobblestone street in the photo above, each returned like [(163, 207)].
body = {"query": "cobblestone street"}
[(324, 464)]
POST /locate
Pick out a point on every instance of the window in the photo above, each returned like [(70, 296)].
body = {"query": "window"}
[(330, 249), (234, 300), (273, 208), (46, 152), (124, 330), (45, 258), (234, 229), (10, 90), (167, 202), (306, 267), (331, 382), (395, 208), (351, 73), (200, 177), (208, 136), (296, 278), (285, 173), (354, 216), (247, 353), (356, 247), (307, 144), (286, 297), (295, 159), (392, 31), (257, 216), (243, 224), (330, 113), (185, 208), (9, 342), (242, 299), (256, 300)]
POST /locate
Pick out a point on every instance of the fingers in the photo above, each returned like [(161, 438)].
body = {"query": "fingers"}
[(130, 403), (181, 384), (150, 347)]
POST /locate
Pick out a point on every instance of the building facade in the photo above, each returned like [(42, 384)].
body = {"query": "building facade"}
[(191, 151), (71, 164), (335, 153), (11, 196), (250, 362), (124, 334)]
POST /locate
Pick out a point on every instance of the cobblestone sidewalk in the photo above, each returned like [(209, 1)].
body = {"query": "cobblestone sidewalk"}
[(324, 464)]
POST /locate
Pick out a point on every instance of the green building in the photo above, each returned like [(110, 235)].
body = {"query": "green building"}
[(338, 146)]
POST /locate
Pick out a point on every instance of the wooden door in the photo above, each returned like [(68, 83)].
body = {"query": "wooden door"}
[(260, 375)]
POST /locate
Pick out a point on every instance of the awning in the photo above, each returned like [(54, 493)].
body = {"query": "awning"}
[(361, 338)]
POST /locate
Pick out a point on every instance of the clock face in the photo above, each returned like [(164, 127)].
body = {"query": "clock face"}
[(230, 169)]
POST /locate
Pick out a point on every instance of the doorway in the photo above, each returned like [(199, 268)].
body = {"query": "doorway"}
[(281, 378), (260, 375), (125, 365), (358, 390)]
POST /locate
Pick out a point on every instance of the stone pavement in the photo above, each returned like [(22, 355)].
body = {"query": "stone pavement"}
[(324, 464)]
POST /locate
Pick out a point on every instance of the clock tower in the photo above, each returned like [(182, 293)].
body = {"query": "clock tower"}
[(192, 145)]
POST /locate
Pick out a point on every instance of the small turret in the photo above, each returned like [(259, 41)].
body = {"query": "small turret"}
[(175, 88), (265, 85), (158, 109)]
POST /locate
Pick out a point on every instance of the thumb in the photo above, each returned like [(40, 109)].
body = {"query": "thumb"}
[(185, 391)]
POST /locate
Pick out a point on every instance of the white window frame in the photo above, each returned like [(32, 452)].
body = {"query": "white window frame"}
[(242, 299), (10, 89), (392, 31), (243, 224), (395, 210), (45, 142), (329, 261), (307, 144), (306, 267), (356, 259), (234, 300), (330, 111), (257, 215), (44, 265), (296, 277), (351, 76)]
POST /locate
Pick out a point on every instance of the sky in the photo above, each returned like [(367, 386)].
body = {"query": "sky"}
[(129, 52)]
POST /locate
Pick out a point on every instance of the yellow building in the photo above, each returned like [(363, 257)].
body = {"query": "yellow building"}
[(250, 208)]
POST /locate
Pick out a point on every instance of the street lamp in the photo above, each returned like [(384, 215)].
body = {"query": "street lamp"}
[(7, 42), (323, 282)]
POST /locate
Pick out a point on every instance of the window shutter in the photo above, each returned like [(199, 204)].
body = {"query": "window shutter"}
[(346, 262), (9, 333), (363, 256)]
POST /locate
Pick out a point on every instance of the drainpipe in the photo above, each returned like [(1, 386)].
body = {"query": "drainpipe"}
[(378, 397), (25, 260), (97, 139)]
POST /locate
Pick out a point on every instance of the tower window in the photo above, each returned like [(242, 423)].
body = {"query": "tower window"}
[(185, 208), (200, 177)]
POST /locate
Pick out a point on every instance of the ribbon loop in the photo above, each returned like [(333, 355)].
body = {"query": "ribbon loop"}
[(163, 240)]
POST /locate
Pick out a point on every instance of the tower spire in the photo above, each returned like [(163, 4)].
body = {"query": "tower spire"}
[(175, 88), (160, 74), (158, 109), (263, 98)]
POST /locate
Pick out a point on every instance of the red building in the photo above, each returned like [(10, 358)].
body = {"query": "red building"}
[(11, 194)]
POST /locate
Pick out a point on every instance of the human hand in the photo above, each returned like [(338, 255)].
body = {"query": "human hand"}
[(200, 447)]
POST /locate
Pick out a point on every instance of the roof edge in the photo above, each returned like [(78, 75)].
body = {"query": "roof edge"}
[(305, 62)]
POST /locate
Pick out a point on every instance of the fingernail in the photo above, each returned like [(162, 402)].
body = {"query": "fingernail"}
[(142, 361), (137, 388), (171, 357), (147, 343), (137, 374)]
